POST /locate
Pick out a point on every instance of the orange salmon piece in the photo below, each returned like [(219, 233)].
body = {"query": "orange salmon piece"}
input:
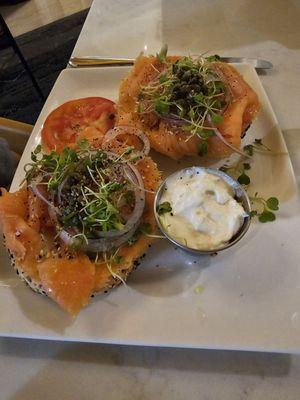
[(24, 243), (22, 240), (13, 203), (69, 282)]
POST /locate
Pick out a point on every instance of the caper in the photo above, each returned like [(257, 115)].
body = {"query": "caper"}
[(175, 67), (197, 88), (185, 89), (195, 79), (181, 102), (176, 87), (187, 75), (179, 73)]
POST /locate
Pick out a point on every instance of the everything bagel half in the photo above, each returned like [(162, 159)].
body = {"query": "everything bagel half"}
[(53, 258)]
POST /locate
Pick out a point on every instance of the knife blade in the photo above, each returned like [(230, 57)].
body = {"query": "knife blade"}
[(94, 61)]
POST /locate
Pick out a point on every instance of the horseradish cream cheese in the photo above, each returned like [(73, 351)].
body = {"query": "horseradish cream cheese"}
[(205, 215)]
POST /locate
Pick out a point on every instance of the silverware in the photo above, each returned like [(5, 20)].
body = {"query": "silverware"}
[(79, 62), (255, 62)]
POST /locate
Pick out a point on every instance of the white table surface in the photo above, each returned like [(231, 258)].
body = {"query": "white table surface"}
[(269, 29)]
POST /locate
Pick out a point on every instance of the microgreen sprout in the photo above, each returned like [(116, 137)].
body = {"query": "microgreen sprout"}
[(88, 187), (256, 146), (111, 260), (144, 228), (164, 207), (240, 168), (161, 56), (263, 207), (264, 213), (238, 171)]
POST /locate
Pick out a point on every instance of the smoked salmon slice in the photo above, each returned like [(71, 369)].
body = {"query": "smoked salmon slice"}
[(13, 203), (21, 239), (69, 282)]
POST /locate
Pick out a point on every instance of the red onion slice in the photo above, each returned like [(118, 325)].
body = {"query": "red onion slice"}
[(68, 239), (97, 245), (174, 121), (36, 189), (127, 130), (106, 244)]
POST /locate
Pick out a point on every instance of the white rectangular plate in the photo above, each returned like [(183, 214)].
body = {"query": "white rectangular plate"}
[(250, 294)]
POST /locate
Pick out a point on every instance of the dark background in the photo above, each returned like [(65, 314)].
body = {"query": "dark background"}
[(47, 51)]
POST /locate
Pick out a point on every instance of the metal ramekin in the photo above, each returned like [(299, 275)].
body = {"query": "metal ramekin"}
[(239, 194)]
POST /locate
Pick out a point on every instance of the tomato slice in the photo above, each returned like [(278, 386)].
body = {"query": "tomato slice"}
[(87, 118)]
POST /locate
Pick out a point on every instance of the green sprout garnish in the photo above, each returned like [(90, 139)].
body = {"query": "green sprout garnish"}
[(163, 208), (256, 146), (143, 229), (110, 261), (213, 58), (238, 170), (244, 179), (202, 148), (161, 56), (265, 207), (187, 93), (86, 187), (264, 213), (55, 166)]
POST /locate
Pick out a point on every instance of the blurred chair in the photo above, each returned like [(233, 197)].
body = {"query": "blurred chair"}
[(7, 40), (15, 133), (13, 139)]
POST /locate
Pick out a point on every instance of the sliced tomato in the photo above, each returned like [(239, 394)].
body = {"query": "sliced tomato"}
[(89, 118)]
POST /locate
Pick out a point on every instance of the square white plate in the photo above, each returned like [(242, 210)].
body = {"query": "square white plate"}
[(250, 294)]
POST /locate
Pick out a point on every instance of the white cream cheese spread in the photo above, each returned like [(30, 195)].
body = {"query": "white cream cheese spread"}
[(204, 215)]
